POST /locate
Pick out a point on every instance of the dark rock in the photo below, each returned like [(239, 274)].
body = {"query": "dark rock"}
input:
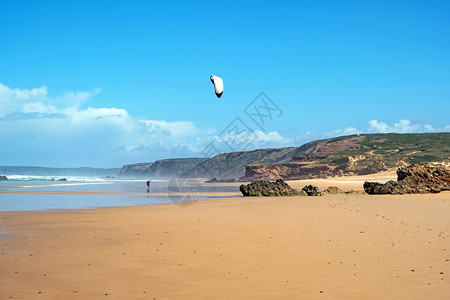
[(62, 179), (311, 190), (224, 180), (3, 177), (353, 192), (333, 190), (418, 178), (268, 188)]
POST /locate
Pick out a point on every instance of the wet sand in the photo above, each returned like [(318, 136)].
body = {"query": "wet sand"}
[(210, 194), (329, 247)]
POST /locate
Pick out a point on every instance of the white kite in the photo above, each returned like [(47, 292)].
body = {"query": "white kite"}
[(218, 85)]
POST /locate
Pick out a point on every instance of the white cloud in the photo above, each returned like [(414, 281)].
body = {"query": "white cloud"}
[(77, 98), (402, 126), (176, 129), (270, 140), (38, 129), (8, 94), (37, 101), (416, 125), (249, 140), (56, 131), (22, 100), (312, 135)]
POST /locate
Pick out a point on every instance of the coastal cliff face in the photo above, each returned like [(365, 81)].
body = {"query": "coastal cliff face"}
[(346, 155), (133, 170), (287, 171), (232, 165), (356, 155), (168, 168), (298, 169), (160, 169)]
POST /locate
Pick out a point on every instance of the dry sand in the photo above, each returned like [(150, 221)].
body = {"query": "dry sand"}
[(347, 182), (329, 247)]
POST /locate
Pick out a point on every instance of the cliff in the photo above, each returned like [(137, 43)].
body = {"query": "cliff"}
[(346, 155), (356, 154), (135, 170), (160, 169), (232, 165)]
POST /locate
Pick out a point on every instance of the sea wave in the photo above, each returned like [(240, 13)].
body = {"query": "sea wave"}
[(54, 178), (37, 181)]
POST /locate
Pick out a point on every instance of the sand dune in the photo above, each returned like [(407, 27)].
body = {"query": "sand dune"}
[(329, 247)]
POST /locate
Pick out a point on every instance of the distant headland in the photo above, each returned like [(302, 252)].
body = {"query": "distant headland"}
[(341, 156)]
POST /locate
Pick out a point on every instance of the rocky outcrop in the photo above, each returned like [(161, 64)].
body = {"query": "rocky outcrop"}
[(311, 190), (281, 188), (418, 178), (333, 190), (224, 180), (2, 177), (269, 188)]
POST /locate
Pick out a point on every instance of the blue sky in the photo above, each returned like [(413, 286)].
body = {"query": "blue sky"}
[(107, 83)]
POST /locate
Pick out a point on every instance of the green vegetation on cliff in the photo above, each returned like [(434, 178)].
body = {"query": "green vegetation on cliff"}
[(357, 154), (379, 151)]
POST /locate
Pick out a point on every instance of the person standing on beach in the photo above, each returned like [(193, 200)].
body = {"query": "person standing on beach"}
[(148, 185)]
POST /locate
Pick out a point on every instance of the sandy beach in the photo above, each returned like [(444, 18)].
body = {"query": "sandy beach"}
[(328, 247)]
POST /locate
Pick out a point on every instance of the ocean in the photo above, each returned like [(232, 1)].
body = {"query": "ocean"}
[(30, 193)]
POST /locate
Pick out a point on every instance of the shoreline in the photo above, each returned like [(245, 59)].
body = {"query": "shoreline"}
[(224, 194)]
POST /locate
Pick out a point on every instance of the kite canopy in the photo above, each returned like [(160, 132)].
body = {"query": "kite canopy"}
[(218, 85)]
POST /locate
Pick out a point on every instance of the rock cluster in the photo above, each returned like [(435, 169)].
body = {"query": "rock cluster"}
[(268, 188), (333, 190), (281, 188), (3, 177), (418, 178), (311, 190), (219, 180)]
